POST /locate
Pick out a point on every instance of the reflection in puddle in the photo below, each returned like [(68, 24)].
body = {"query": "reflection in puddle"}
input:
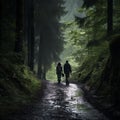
[(61, 102), (69, 99)]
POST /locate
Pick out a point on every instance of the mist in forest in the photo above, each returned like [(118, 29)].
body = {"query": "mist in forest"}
[(37, 34), (72, 7)]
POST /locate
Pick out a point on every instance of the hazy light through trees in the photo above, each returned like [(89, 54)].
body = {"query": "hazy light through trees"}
[(71, 6), (72, 9)]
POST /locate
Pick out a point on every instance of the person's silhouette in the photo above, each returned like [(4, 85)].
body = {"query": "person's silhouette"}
[(67, 71), (59, 72)]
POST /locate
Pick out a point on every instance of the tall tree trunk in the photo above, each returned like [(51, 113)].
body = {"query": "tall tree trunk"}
[(26, 9), (19, 26), (31, 35), (28, 29), (1, 10), (44, 73), (39, 74), (110, 16), (40, 55)]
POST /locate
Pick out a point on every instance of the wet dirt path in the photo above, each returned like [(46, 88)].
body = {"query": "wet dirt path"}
[(61, 102)]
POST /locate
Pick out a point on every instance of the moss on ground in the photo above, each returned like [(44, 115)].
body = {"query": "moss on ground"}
[(100, 72), (91, 69), (18, 85)]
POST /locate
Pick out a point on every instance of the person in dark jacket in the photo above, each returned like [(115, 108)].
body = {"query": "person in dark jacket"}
[(59, 72), (67, 71)]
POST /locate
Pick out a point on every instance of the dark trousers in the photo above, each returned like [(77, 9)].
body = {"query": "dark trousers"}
[(59, 78), (66, 78)]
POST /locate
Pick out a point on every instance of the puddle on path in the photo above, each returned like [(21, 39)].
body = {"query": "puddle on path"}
[(61, 102)]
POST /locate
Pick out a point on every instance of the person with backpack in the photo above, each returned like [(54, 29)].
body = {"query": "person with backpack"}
[(59, 72), (67, 71)]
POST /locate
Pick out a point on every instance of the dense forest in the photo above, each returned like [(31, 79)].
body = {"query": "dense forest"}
[(94, 35), (36, 34), (30, 40)]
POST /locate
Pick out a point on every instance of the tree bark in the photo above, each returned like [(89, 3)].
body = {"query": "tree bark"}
[(44, 73), (40, 71), (19, 26), (1, 10), (30, 35), (110, 16), (39, 74)]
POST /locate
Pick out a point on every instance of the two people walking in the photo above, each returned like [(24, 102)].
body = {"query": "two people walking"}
[(67, 71)]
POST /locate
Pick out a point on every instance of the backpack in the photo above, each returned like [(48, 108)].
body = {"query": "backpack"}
[(59, 69)]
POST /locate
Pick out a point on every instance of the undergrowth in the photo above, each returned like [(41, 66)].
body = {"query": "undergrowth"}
[(100, 71), (18, 85)]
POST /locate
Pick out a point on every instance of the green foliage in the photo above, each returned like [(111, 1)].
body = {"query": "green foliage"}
[(93, 65), (51, 74), (75, 41), (100, 71), (17, 84), (98, 66)]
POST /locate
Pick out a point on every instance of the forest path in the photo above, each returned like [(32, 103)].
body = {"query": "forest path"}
[(61, 102)]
